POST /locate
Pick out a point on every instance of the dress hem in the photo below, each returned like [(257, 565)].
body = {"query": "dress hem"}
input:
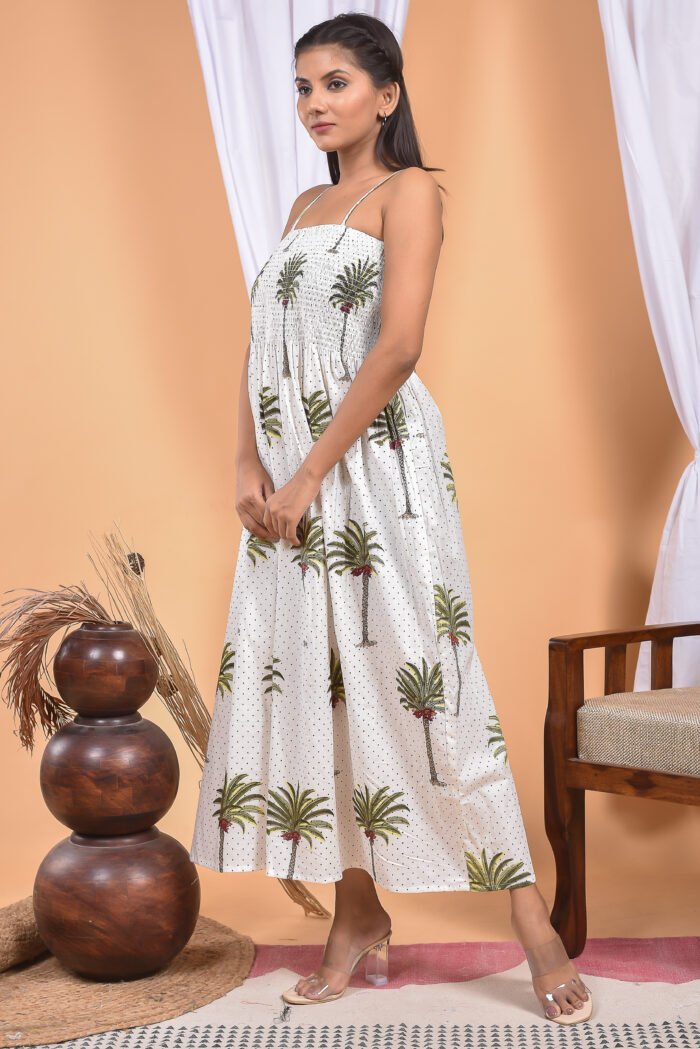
[(460, 886)]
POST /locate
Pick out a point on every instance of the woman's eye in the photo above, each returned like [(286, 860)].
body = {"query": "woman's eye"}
[(303, 88)]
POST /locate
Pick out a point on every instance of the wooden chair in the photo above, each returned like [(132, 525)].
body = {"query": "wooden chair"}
[(592, 744)]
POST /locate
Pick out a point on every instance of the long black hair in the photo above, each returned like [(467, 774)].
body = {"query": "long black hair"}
[(376, 50)]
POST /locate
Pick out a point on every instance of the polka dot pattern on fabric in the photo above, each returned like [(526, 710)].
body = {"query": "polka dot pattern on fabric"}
[(353, 725)]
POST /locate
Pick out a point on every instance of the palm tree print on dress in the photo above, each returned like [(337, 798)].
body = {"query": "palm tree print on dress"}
[(496, 873), (317, 408), (352, 289), (390, 425), (452, 622), (272, 676), (333, 250), (256, 282), (257, 730), (422, 695), (311, 553), (354, 551), (494, 725), (447, 473), (296, 233), (269, 412), (235, 804), (376, 814), (226, 670), (336, 685), (257, 546), (296, 814), (287, 288)]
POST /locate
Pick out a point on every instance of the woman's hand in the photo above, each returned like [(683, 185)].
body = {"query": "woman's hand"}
[(253, 488), (285, 507)]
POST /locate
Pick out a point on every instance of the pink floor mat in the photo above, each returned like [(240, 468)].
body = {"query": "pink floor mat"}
[(668, 959)]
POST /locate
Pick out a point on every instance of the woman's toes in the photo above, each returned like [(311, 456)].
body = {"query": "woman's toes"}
[(552, 1009), (563, 1002)]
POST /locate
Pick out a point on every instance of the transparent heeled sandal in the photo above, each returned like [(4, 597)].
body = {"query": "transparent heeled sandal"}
[(376, 972), (545, 958)]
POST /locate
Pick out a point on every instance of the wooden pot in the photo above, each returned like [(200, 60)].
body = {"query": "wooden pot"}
[(104, 669), (118, 899), (116, 907), (109, 775)]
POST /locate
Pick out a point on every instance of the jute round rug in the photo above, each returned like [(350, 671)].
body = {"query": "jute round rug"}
[(42, 1002)]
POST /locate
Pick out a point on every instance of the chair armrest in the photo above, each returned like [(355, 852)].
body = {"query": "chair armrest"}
[(607, 638), (661, 635), (566, 686)]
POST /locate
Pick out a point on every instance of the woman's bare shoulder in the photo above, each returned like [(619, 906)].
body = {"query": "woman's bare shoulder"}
[(415, 197), (415, 184), (304, 198)]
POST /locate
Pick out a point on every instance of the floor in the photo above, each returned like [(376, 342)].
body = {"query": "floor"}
[(447, 996)]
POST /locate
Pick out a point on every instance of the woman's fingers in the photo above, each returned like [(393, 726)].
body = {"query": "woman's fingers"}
[(255, 526), (283, 526), (293, 534), (252, 511)]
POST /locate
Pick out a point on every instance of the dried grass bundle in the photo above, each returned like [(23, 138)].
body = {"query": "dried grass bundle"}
[(25, 631), (123, 574)]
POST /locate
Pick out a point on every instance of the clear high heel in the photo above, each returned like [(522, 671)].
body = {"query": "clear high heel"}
[(545, 958), (376, 972), (377, 963)]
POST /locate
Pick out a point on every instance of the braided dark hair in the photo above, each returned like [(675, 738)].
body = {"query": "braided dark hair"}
[(376, 50)]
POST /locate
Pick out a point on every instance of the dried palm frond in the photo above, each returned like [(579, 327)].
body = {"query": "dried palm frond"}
[(123, 573), (297, 891), (26, 631)]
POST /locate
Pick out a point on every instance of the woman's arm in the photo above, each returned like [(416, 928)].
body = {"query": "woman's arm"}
[(247, 449), (412, 239), (412, 242), (254, 485)]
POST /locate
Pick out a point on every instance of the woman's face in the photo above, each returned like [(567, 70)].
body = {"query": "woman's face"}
[(336, 101)]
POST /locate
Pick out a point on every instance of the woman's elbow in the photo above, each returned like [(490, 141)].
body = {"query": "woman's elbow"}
[(410, 352)]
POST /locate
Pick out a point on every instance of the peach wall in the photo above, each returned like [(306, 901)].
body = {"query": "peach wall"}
[(124, 325)]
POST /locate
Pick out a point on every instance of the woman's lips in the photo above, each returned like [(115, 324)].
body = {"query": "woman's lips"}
[(321, 127)]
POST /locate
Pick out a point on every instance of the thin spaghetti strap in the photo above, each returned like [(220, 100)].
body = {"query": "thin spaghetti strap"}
[(303, 210), (372, 188)]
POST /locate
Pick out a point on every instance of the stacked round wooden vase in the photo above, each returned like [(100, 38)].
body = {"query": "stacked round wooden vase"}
[(118, 898)]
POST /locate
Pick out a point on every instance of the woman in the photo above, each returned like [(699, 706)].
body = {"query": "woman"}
[(354, 738)]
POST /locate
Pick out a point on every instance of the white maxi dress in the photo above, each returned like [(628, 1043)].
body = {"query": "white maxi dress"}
[(353, 725)]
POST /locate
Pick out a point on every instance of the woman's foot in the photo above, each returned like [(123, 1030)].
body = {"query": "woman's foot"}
[(346, 939), (531, 924)]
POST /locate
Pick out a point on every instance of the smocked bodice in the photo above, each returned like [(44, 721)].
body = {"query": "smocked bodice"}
[(321, 284)]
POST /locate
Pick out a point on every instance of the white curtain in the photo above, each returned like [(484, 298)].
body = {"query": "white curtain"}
[(653, 55), (246, 49)]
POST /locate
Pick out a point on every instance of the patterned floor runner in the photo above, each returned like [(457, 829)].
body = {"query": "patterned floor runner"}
[(447, 996)]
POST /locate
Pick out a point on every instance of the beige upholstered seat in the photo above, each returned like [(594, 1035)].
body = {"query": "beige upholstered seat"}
[(657, 730), (641, 744)]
